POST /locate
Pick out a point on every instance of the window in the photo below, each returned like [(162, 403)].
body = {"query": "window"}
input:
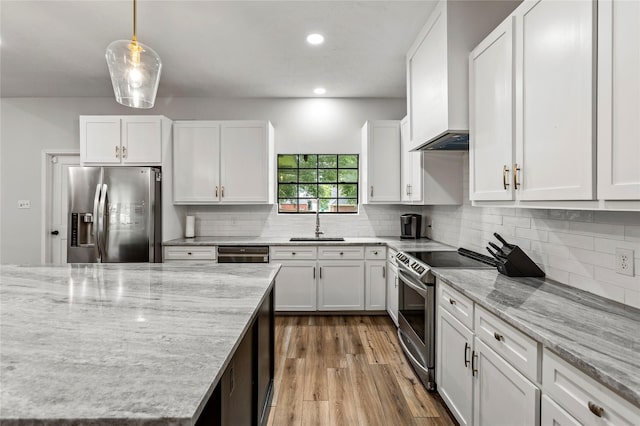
[(304, 178)]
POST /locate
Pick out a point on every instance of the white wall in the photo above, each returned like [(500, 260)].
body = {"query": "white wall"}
[(30, 125), (573, 247)]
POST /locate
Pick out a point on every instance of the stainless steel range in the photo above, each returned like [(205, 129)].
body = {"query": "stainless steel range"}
[(417, 305)]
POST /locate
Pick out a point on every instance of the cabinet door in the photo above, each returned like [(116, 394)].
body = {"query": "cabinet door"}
[(555, 100), (236, 400), (142, 140), (100, 139), (427, 105), (392, 293), (491, 116), (618, 100), (453, 369), (406, 177), (375, 285), (341, 286), (296, 286), (383, 162), (502, 396), (244, 163), (196, 162), (552, 414)]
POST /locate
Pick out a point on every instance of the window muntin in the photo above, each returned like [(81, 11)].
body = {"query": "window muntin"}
[(303, 178)]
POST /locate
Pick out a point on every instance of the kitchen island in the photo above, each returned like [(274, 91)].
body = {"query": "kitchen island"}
[(124, 343)]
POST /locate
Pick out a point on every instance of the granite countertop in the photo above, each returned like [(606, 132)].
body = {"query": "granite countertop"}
[(120, 343), (393, 242), (600, 337)]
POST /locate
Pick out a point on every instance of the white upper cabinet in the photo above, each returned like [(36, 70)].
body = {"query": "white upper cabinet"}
[(245, 156), (491, 116), (115, 140), (411, 162), (618, 100), (555, 139), (225, 162), (437, 70), (196, 162), (380, 162)]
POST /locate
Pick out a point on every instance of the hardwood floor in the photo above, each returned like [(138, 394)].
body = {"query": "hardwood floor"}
[(347, 370)]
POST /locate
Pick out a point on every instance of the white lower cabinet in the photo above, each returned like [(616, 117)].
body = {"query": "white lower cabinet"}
[(478, 385), (552, 414), (501, 395), (341, 285), (296, 286), (392, 292), (454, 375), (584, 398), (375, 285)]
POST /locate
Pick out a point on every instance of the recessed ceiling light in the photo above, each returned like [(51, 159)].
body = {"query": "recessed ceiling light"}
[(319, 91), (315, 39)]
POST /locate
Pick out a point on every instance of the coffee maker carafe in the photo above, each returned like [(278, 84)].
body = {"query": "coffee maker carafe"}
[(410, 226)]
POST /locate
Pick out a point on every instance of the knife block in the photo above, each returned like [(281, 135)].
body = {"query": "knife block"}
[(518, 264)]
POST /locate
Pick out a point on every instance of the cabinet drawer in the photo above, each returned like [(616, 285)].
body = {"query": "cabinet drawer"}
[(579, 394), (519, 350), (552, 414), (190, 253), (341, 252), (293, 253), (377, 252), (461, 307)]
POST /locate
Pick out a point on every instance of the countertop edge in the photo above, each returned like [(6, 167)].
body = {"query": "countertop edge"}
[(225, 364), (630, 395)]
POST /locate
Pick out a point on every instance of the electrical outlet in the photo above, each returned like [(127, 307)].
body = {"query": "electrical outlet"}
[(624, 261), (24, 204)]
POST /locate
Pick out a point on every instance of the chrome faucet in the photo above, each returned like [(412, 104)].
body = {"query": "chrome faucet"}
[(318, 231)]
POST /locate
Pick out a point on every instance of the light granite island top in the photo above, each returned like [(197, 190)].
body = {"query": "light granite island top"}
[(120, 343), (598, 336)]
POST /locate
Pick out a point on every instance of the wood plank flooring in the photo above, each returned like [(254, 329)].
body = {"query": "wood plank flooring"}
[(347, 370)]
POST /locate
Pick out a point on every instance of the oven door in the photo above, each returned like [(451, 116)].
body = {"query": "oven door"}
[(416, 325)]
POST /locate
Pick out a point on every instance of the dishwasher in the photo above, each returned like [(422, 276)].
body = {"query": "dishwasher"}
[(243, 254)]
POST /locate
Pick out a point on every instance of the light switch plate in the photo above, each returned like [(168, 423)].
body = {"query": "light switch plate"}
[(24, 204), (624, 261)]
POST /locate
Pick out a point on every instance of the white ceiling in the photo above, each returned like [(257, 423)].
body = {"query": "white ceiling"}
[(212, 48)]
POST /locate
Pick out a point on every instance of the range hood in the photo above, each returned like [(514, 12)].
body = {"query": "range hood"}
[(453, 140)]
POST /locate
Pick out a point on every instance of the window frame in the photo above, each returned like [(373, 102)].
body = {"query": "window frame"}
[(317, 182)]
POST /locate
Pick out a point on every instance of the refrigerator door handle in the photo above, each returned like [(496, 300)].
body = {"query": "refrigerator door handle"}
[(96, 200), (102, 239)]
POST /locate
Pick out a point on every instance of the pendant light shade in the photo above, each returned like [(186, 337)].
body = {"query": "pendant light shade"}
[(135, 71)]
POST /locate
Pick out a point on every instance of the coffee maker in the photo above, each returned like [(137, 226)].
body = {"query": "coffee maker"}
[(410, 226)]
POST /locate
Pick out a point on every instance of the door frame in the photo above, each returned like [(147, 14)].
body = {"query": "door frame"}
[(46, 200)]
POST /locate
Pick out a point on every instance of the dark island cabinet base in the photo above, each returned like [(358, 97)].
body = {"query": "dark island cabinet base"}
[(243, 395)]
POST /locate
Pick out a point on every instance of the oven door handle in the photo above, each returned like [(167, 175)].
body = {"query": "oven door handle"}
[(406, 350), (422, 291)]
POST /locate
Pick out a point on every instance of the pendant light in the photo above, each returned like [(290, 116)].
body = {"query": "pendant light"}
[(135, 71)]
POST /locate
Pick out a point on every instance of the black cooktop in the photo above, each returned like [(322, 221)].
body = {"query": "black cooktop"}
[(448, 259)]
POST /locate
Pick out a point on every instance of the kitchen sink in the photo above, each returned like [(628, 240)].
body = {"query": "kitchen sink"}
[(316, 239)]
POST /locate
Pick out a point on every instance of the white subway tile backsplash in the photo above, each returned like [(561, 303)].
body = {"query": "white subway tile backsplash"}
[(573, 247)]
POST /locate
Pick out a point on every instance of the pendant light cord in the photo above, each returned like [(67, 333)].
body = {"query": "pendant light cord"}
[(135, 39)]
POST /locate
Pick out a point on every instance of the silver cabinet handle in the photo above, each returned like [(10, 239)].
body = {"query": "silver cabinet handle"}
[(410, 189), (222, 191), (372, 190), (474, 367), (375, 253), (117, 149), (216, 190), (124, 152), (466, 352), (321, 272), (453, 302), (497, 336), (384, 272), (314, 272)]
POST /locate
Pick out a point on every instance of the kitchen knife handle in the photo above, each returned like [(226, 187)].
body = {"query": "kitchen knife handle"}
[(496, 247), (502, 240)]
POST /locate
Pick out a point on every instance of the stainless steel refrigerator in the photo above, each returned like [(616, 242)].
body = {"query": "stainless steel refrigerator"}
[(114, 215)]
